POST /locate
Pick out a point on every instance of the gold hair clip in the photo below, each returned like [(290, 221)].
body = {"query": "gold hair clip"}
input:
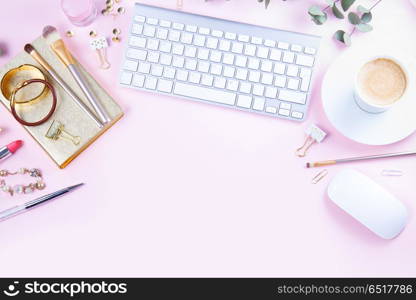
[(57, 131)]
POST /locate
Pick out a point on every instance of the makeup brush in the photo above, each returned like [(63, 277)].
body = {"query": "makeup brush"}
[(36, 56), (345, 160), (66, 58)]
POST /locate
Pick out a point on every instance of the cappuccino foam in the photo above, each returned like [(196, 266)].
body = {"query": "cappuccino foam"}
[(382, 82)]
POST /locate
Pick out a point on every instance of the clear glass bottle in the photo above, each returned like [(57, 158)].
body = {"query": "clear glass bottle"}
[(80, 12)]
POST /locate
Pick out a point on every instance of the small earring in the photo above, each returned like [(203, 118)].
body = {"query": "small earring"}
[(116, 35)]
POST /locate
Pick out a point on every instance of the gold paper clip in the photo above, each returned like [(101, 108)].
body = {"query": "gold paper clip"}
[(57, 131), (314, 134)]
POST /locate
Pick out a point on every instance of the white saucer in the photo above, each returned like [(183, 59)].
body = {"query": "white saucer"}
[(372, 129)]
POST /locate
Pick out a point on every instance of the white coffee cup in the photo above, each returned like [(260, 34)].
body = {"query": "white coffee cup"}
[(367, 103)]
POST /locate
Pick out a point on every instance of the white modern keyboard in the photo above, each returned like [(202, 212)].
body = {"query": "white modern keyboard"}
[(232, 64)]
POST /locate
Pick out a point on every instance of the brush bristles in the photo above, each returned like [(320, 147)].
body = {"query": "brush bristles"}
[(47, 31), (29, 48)]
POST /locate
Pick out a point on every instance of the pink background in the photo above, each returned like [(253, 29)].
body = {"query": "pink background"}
[(178, 188)]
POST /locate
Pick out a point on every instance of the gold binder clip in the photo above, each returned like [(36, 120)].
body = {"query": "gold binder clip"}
[(57, 131)]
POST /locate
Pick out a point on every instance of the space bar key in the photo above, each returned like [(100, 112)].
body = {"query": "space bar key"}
[(202, 93)]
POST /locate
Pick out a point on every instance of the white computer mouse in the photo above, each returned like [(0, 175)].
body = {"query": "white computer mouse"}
[(368, 202)]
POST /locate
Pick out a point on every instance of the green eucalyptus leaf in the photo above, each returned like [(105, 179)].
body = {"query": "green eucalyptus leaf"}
[(362, 9), (366, 17), (337, 13), (319, 20), (346, 4), (267, 2), (347, 39), (330, 2), (354, 18), (343, 37), (316, 11), (364, 27)]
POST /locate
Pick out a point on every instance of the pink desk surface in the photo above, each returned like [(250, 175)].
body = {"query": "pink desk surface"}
[(178, 188)]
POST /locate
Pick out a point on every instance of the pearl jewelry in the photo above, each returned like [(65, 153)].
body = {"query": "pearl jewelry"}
[(20, 188)]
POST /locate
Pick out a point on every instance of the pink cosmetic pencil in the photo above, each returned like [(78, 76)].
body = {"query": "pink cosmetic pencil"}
[(10, 149)]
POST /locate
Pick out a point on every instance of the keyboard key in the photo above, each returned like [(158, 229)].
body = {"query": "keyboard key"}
[(138, 80), (169, 72), (257, 40), (245, 87), (219, 82), (280, 81), (164, 23), (203, 66), (199, 40), (186, 38), (285, 105), (166, 59), (241, 74), (204, 54), (139, 19), (216, 69), (230, 36), (162, 33), (297, 115), (237, 48), (149, 31), (190, 64), (271, 92), (258, 103), (279, 68), (275, 54), (178, 62), (153, 44), (304, 60), (282, 45), (156, 70), (291, 96), (174, 35), (126, 78), (296, 48), (305, 75), (253, 63), (153, 57), (215, 56), (165, 86), (258, 90), (178, 49), (136, 54), (190, 51), (267, 78), (191, 28), (232, 85), (152, 21), (254, 76), (293, 84), (243, 38), (229, 71), (165, 46), (270, 43), (292, 71), (182, 75), (178, 26), (225, 45), (137, 29), (194, 77), (131, 65), (244, 101), (288, 57), (212, 43), (263, 52), (266, 66), (151, 83), (144, 67), (203, 93), (284, 112), (271, 109), (207, 80), (228, 59), (136, 41), (204, 30), (217, 33), (241, 61), (250, 50), (309, 50)]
